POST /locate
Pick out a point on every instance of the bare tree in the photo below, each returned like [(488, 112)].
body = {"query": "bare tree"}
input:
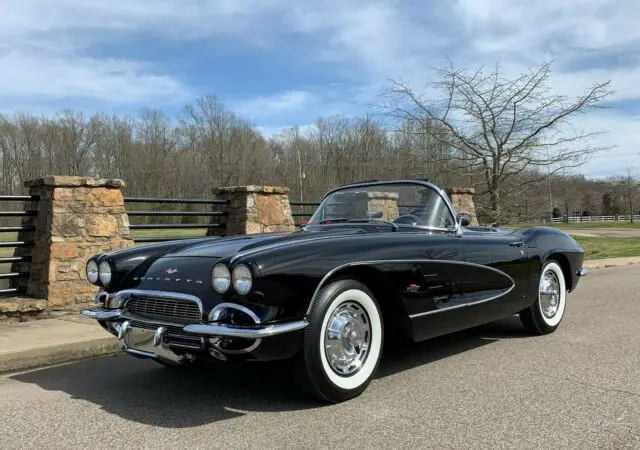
[(499, 127)]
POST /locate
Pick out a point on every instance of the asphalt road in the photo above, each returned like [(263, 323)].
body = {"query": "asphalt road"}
[(490, 387)]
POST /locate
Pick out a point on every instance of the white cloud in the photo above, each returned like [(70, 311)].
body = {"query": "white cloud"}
[(48, 77), (267, 106), (45, 46)]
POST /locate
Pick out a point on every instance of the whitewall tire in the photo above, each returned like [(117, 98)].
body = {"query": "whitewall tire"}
[(343, 342), (546, 313)]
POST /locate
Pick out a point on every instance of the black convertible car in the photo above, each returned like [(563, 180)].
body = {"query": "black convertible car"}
[(375, 259)]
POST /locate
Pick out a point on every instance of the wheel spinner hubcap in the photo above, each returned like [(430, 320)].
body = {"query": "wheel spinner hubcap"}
[(549, 292), (347, 338)]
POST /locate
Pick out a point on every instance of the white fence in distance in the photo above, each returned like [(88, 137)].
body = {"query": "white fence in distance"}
[(574, 219)]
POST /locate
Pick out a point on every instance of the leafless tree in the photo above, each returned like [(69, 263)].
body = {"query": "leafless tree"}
[(499, 127)]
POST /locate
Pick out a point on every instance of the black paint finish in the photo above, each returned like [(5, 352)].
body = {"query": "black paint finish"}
[(430, 282)]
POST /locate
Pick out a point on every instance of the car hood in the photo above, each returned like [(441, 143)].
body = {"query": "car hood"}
[(228, 246)]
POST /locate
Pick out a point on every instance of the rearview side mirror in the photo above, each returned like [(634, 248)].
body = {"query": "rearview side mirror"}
[(464, 219), (377, 214)]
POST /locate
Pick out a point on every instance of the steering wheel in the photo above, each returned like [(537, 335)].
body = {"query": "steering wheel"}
[(407, 218)]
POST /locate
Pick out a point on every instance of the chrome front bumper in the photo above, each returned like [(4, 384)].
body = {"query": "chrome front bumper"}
[(206, 329), (175, 342), (582, 272)]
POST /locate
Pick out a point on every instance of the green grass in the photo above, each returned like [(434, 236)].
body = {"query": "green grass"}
[(609, 247)]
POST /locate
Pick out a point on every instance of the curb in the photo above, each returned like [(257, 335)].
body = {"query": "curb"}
[(57, 354), (612, 262)]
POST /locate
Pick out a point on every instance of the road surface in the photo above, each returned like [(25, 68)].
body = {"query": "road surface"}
[(490, 387)]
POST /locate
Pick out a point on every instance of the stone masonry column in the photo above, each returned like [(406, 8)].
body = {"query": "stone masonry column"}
[(462, 200), (256, 209), (77, 218), (356, 204), (387, 202)]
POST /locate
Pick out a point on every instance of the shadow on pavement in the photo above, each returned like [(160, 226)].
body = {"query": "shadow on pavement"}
[(146, 392)]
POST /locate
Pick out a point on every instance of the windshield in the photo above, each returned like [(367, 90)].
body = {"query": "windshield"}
[(401, 203)]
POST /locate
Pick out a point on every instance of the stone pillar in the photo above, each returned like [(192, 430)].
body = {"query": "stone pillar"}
[(387, 202), (77, 218), (357, 203), (256, 209), (462, 200)]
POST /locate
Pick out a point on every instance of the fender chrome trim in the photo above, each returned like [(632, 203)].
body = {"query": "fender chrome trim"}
[(256, 332), (103, 314), (405, 261)]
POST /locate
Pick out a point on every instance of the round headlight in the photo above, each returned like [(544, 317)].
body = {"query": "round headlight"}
[(242, 279), (104, 272), (92, 272), (220, 278)]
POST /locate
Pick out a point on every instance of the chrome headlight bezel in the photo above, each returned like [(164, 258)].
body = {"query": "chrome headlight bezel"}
[(221, 278), (92, 271), (242, 279), (105, 273)]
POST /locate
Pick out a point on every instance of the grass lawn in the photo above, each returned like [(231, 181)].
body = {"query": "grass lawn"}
[(609, 247)]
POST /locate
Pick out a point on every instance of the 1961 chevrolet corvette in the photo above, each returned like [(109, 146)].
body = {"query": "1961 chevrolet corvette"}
[(375, 258)]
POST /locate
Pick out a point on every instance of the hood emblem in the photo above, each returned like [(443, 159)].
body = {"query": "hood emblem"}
[(170, 271)]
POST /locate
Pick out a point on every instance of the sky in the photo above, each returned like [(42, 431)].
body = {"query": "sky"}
[(287, 62)]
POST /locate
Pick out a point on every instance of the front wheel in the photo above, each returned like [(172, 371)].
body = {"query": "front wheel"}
[(545, 315), (343, 342)]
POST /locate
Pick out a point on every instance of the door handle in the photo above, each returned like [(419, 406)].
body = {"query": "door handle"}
[(517, 244)]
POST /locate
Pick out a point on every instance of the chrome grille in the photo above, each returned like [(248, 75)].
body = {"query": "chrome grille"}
[(164, 308)]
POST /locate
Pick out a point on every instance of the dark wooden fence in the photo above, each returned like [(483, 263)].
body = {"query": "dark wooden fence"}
[(302, 210), (170, 215), (15, 254), (175, 219)]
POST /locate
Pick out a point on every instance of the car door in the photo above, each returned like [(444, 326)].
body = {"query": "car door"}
[(498, 281), (433, 296)]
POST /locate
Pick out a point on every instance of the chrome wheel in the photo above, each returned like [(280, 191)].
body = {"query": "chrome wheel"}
[(549, 293), (347, 338)]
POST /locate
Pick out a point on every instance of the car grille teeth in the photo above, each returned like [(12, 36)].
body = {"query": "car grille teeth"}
[(163, 308)]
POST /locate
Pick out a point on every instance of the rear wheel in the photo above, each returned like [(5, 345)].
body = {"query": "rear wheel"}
[(546, 313), (343, 342)]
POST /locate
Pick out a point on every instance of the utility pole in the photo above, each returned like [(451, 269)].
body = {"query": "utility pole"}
[(549, 184), (296, 140), (630, 192)]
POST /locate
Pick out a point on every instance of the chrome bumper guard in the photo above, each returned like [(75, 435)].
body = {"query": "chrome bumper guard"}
[(583, 272), (209, 329)]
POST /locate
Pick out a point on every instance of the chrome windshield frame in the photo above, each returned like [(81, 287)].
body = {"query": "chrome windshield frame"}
[(457, 228)]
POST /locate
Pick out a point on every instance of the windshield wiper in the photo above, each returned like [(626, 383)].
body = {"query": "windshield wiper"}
[(388, 222), (338, 219)]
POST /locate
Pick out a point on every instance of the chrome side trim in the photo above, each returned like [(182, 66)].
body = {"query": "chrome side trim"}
[(386, 261), (103, 314), (464, 305), (244, 332), (583, 272)]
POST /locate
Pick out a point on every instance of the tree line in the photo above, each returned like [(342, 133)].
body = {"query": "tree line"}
[(508, 138)]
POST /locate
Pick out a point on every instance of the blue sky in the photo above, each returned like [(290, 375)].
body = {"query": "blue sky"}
[(286, 62)]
